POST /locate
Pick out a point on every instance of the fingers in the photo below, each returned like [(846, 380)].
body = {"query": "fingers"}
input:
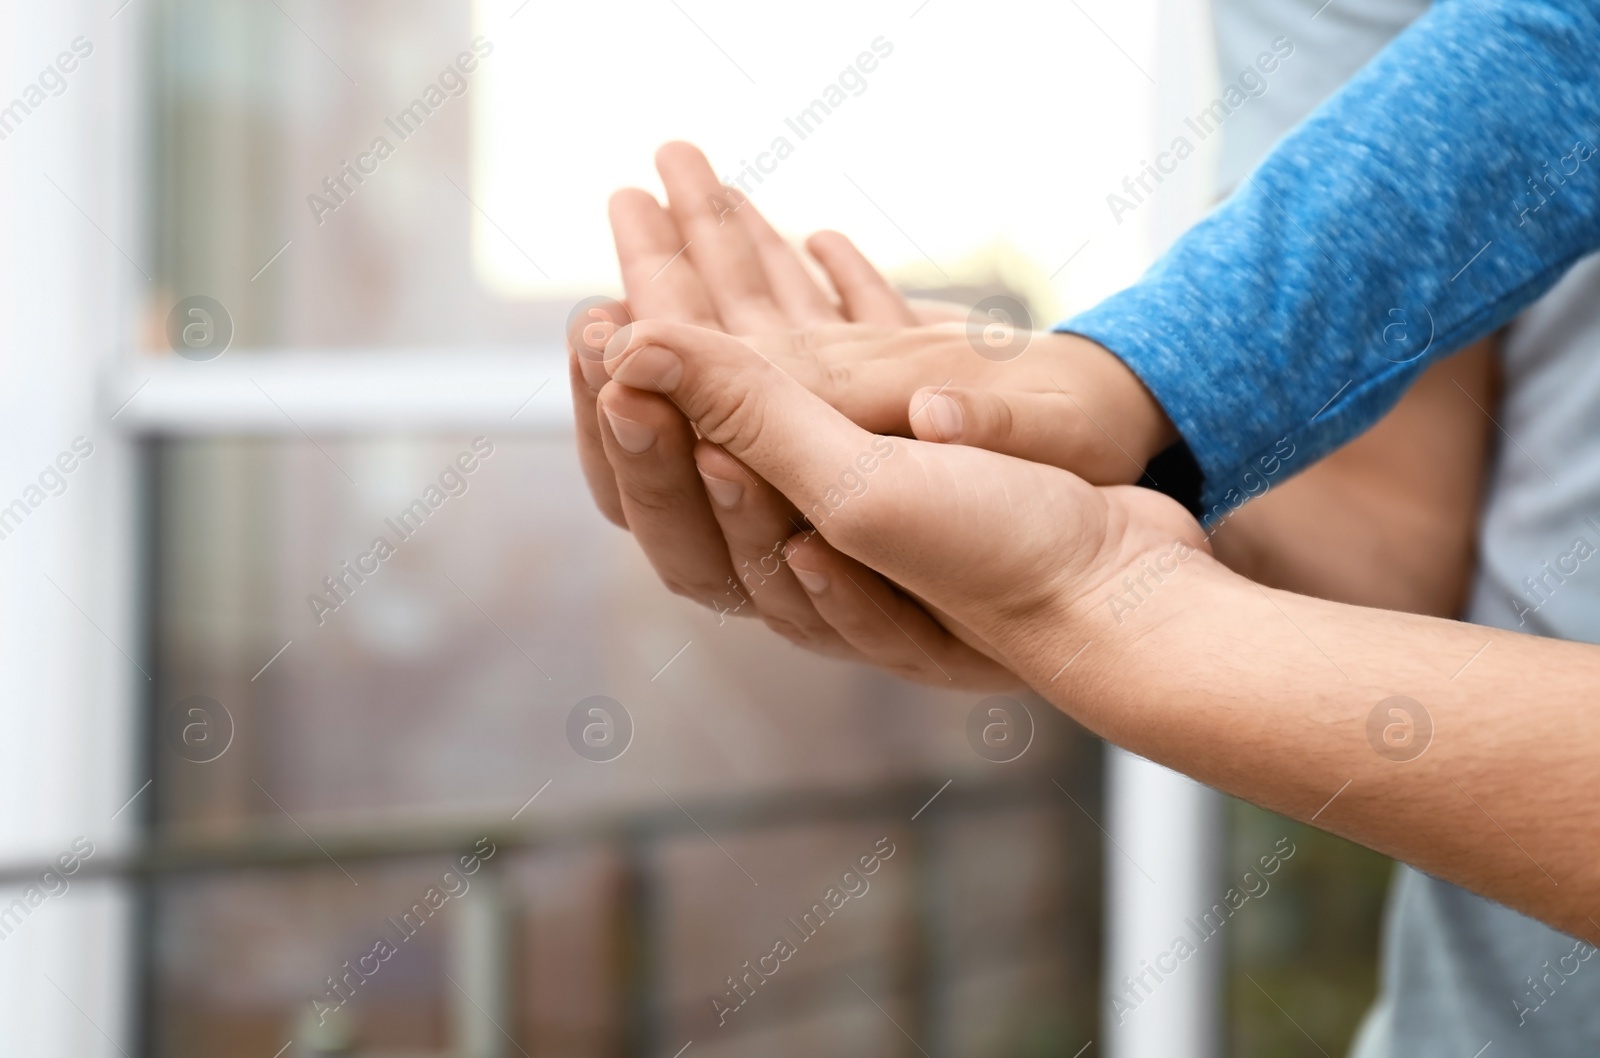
[(866, 618), (884, 625), (928, 516), (588, 332), (757, 523), (650, 448), (867, 372), (935, 310), (867, 296), (591, 450), (804, 302), (649, 249), (742, 402), (719, 245), (1050, 428)]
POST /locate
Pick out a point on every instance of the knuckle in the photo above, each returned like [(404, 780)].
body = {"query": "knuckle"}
[(857, 625), (651, 498), (1001, 422), (848, 527), (906, 667), (719, 597), (797, 632), (734, 419), (806, 343), (836, 376), (686, 589)]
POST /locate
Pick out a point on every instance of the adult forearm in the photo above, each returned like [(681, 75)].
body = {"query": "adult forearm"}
[(1484, 777), (1106, 601)]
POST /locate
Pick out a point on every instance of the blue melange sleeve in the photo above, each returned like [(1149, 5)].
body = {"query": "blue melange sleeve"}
[(1443, 188)]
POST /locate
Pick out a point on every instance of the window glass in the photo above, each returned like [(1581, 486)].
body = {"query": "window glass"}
[(406, 172), (361, 719)]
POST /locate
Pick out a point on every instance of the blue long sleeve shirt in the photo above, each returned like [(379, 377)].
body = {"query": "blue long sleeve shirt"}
[(1445, 187)]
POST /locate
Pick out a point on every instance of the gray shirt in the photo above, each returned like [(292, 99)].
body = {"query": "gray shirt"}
[(1461, 973)]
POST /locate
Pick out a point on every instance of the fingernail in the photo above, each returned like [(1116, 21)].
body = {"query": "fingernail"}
[(811, 581), (723, 493), (634, 437), (651, 367), (945, 416)]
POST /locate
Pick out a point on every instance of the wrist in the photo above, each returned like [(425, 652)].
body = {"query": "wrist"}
[(1143, 641), (1127, 400), (1138, 631), (1119, 407)]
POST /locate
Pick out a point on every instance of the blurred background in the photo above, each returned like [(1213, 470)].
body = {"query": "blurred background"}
[(504, 794)]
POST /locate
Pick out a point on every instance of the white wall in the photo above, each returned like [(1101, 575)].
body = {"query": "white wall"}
[(66, 692)]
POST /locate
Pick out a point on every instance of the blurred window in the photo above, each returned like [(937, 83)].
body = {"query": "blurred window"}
[(401, 186)]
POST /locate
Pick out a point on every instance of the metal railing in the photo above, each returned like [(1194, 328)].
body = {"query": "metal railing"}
[(483, 1014)]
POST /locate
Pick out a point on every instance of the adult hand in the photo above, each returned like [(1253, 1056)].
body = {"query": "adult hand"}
[(734, 272), (1265, 694), (637, 449), (1014, 554)]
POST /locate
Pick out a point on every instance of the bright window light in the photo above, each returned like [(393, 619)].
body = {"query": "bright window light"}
[(970, 143)]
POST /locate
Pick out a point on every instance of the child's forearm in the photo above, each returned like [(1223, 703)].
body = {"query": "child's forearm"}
[(1442, 189)]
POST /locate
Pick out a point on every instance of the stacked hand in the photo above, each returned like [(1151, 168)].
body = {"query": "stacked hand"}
[(916, 554), (785, 450)]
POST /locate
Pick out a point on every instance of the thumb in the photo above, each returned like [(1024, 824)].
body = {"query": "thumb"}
[(746, 404), (1050, 428)]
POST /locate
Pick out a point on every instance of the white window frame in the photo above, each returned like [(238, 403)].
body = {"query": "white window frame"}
[(71, 285)]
